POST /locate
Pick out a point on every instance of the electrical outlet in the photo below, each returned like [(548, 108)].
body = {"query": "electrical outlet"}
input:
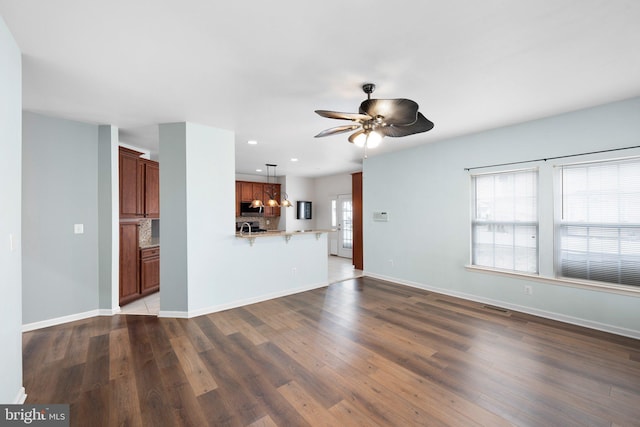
[(391, 264), (293, 272), (528, 290), (78, 228)]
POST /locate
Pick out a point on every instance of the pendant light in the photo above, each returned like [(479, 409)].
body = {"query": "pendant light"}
[(269, 188)]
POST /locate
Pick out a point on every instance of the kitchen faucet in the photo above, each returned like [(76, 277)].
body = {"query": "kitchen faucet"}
[(242, 228)]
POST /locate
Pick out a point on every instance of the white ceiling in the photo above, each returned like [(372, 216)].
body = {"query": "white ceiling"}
[(261, 68)]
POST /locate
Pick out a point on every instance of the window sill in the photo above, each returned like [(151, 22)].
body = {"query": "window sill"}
[(574, 283)]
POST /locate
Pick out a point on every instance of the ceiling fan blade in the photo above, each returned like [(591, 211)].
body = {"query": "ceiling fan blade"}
[(355, 135), (400, 112), (337, 130), (421, 125), (343, 116)]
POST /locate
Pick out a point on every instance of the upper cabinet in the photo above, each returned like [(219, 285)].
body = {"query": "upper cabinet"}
[(151, 189), (247, 191), (139, 185)]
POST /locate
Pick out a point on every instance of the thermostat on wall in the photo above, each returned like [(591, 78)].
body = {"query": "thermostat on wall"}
[(381, 216)]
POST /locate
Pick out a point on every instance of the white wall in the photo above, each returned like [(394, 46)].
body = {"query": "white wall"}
[(205, 267), (426, 190), (298, 189), (11, 390), (326, 189)]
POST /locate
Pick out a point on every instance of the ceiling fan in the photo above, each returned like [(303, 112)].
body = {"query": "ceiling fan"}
[(378, 118)]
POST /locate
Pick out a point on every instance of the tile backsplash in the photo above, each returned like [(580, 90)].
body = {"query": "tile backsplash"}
[(144, 232), (273, 221)]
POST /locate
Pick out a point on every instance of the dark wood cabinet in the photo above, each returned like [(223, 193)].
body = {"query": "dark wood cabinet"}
[(131, 184), (139, 185), (139, 268), (151, 189), (149, 270), (129, 277), (247, 191), (356, 190)]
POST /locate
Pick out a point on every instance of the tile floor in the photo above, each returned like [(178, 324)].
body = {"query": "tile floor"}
[(339, 269)]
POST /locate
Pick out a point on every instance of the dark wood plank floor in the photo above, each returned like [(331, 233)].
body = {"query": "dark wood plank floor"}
[(359, 353)]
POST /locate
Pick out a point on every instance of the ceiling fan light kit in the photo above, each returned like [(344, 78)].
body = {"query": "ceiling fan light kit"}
[(378, 118)]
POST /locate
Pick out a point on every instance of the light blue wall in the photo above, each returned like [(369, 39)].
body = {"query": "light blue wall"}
[(60, 189), (173, 211), (10, 207), (426, 191), (108, 218)]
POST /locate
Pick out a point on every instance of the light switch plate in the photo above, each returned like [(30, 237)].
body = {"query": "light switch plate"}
[(78, 228)]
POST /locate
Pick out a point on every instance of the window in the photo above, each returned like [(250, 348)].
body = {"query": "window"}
[(505, 220), (598, 231), (334, 215)]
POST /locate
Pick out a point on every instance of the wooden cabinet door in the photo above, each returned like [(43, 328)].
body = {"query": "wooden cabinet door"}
[(250, 190), (130, 184), (151, 189), (238, 197), (129, 286), (149, 270)]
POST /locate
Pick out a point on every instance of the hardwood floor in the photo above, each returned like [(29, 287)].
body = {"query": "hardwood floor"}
[(362, 352)]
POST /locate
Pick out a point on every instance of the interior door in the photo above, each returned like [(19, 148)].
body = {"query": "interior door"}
[(344, 215)]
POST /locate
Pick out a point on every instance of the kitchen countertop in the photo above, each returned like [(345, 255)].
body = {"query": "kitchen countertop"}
[(282, 233), (154, 242)]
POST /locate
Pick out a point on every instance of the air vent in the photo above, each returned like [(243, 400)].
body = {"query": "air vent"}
[(494, 308)]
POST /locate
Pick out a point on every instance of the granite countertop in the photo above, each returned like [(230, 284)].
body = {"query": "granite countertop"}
[(152, 243)]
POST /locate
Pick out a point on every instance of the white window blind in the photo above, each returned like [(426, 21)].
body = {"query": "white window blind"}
[(599, 227), (505, 221)]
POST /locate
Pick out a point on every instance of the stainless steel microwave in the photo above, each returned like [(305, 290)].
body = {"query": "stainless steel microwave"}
[(247, 210)]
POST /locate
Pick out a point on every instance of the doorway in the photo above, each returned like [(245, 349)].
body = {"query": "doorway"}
[(344, 216)]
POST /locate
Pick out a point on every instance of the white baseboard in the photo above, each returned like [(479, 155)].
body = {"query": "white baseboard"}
[(21, 397), (174, 314), (60, 320), (239, 303), (515, 307), (109, 311)]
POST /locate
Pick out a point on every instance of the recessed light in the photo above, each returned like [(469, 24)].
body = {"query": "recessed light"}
[(258, 170), (294, 159), (252, 142)]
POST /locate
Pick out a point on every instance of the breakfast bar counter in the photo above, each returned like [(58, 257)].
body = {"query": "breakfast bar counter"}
[(287, 235)]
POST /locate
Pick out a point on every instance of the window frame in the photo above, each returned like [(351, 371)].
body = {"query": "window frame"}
[(559, 223), (474, 222)]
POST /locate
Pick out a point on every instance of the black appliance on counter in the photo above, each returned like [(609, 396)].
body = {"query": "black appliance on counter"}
[(244, 227)]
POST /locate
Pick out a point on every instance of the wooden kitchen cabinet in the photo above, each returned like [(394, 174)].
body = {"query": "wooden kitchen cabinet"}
[(247, 191), (139, 185), (149, 270), (151, 189), (131, 184), (129, 277)]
